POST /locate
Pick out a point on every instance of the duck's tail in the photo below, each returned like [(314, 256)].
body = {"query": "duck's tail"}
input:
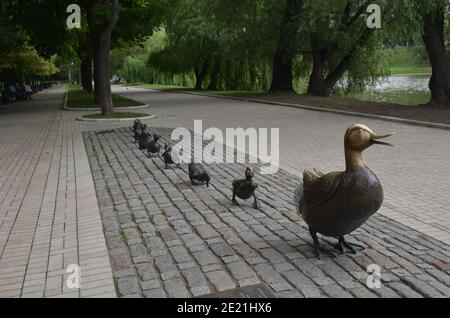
[(298, 197)]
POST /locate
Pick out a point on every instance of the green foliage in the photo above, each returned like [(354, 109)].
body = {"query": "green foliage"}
[(131, 63), (78, 98), (26, 60), (10, 35)]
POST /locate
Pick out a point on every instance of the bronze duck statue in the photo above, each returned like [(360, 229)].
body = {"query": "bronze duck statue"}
[(137, 129), (144, 140), (197, 172), (338, 203), (167, 157), (154, 148), (245, 188)]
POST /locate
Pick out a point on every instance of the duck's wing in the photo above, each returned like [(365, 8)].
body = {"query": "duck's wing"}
[(319, 190)]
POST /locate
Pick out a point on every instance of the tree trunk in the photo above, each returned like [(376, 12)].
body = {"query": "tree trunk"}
[(214, 76), (86, 74), (433, 37), (282, 72), (321, 84), (102, 47), (317, 86), (103, 84), (200, 75), (282, 63), (199, 80)]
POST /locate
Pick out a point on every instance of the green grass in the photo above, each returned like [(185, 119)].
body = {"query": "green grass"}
[(158, 86), (405, 61), (411, 70), (78, 98), (121, 115)]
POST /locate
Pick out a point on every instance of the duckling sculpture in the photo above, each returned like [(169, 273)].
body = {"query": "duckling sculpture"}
[(198, 173), (167, 156), (338, 203), (154, 148), (137, 128), (144, 140), (245, 188)]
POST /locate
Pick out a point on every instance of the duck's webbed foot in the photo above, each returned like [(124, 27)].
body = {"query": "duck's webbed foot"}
[(318, 247), (234, 200), (343, 246), (256, 205)]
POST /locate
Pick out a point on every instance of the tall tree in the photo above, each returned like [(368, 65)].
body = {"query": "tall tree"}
[(193, 42), (431, 19), (434, 38), (102, 16), (282, 77), (337, 36), (114, 25)]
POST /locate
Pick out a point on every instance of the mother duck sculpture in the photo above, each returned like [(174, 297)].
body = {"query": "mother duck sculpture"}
[(338, 203)]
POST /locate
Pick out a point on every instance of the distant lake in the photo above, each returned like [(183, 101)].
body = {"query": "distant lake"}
[(403, 89)]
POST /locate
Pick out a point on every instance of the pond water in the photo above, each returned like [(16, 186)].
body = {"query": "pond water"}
[(405, 90)]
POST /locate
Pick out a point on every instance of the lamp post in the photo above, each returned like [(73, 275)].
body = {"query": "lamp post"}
[(70, 73)]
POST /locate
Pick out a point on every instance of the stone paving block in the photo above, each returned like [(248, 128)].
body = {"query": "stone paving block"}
[(146, 271), (150, 284), (222, 249), (240, 271), (221, 280), (176, 288), (195, 278), (128, 286), (205, 258), (298, 280), (155, 293), (180, 254)]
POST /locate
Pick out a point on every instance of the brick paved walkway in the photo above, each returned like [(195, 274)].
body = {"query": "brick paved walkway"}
[(49, 215), (168, 239)]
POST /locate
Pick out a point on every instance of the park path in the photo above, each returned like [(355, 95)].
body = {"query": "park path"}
[(415, 173), (49, 215)]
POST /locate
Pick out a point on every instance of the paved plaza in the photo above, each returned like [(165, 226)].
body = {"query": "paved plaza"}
[(79, 193)]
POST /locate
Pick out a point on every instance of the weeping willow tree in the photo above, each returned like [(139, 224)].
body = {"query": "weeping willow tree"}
[(133, 66), (217, 45)]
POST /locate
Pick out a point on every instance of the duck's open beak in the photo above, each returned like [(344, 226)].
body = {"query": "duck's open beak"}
[(375, 139)]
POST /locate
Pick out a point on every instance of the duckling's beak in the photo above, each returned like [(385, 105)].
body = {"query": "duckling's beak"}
[(375, 139)]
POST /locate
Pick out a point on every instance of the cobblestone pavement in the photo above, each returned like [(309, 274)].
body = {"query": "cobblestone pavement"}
[(415, 174), (169, 239)]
